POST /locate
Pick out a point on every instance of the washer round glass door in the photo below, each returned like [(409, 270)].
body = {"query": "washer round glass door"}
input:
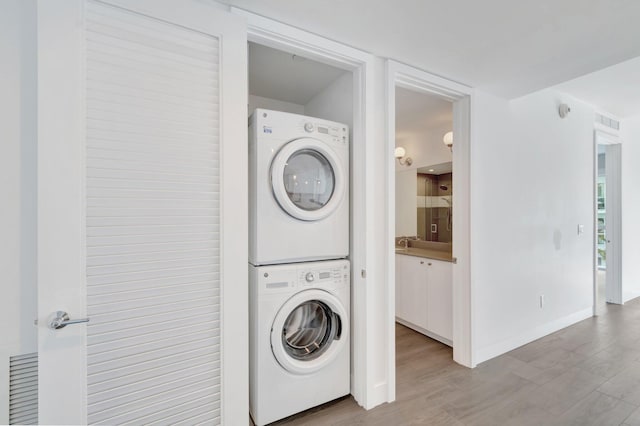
[(307, 179), (309, 331)]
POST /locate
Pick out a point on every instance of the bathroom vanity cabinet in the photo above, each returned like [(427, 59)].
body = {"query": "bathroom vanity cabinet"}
[(424, 296)]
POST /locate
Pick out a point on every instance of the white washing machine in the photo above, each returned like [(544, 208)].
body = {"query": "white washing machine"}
[(299, 337), (298, 188)]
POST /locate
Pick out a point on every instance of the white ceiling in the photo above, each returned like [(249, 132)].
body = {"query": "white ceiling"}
[(437, 169), (278, 75), (615, 89), (507, 47), (418, 113)]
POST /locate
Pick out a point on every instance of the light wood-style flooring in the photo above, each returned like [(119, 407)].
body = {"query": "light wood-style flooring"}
[(587, 374)]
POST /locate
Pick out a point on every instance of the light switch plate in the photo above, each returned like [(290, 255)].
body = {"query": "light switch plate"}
[(580, 229)]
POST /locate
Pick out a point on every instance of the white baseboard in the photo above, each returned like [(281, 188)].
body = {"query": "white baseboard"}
[(426, 332), (377, 396), (521, 339), (629, 296)]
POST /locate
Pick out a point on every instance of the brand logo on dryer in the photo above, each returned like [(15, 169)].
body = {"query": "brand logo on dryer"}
[(267, 129)]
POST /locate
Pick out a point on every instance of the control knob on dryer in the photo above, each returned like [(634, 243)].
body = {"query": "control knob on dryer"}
[(309, 277), (308, 127)]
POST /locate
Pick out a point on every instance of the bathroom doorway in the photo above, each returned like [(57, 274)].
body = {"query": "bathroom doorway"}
[(608, 221), (403, 166), (424, 216)]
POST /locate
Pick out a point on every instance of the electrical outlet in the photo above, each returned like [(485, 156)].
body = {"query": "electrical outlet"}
[(541, 301)]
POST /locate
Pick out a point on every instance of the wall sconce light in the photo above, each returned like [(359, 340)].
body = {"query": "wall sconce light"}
[(400, 153), (448, 140)]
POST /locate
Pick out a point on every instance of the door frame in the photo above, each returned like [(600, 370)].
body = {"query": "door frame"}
[(614, 147), (62, 213), (407, 77), (364, 235)]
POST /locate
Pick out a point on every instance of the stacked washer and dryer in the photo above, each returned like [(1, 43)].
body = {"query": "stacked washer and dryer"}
[(298, 272)]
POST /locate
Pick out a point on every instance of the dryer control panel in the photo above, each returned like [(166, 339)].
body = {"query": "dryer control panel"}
[(336, 133), (278, 125)]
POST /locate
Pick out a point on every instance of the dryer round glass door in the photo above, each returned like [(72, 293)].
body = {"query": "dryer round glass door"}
[(309, 331), (307, 179)]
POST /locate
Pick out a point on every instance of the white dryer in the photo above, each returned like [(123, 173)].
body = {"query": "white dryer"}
[(299, 337), (298, 188)]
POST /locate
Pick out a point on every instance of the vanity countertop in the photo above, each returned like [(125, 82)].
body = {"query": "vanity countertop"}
[(426, 253)]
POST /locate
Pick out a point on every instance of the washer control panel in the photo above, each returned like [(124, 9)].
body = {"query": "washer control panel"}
[(285, 278), (319, 275)]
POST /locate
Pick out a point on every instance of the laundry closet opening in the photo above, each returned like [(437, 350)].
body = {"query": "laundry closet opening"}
[(301, 114), (287, 82), (424, 228)]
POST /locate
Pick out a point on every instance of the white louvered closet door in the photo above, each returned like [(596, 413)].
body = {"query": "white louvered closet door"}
[(160, 153)]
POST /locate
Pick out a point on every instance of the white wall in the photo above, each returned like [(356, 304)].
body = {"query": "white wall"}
[(273, 104), (425, 147), (335, 102), (531, 185), (406, 206), (17, 186), (630, 135)]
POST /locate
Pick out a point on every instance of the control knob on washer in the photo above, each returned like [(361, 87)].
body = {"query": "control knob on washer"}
[(308, 127), (309, 277)]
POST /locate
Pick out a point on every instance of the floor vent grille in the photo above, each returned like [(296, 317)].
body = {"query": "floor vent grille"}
[(23, 389)]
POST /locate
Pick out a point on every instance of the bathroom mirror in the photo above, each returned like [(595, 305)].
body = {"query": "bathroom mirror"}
[(434, 202)]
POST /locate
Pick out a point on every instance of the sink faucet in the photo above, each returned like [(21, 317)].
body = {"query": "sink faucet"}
[(404, 241)]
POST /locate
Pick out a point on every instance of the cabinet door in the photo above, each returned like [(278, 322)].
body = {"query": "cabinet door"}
[(439, 298), (412, 290)]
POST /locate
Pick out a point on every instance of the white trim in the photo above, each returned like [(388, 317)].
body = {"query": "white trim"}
[(400, 75), (364, 236), (604, 137), (424, 331), (630, 296), (613, 146), (390, 234), (463, 335), (594, 224), (505, 346), (614, 223), (234, 220), (61, 214)]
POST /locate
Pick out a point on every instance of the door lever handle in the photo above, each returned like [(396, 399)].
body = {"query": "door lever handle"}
[(61, 319)]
